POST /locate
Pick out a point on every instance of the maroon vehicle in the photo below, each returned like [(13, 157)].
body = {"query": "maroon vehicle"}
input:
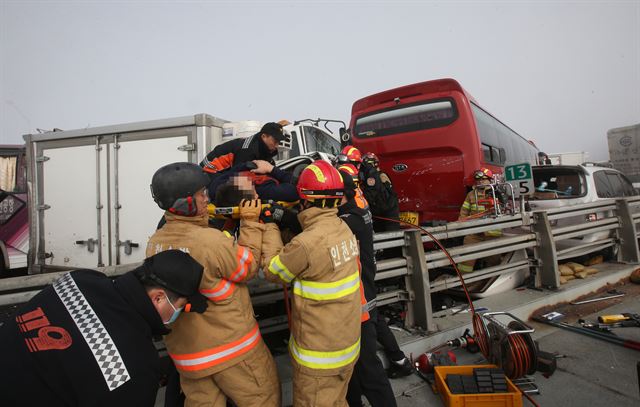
[(430, 137)]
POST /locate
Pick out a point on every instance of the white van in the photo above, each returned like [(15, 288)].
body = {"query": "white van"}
[(558, 186)]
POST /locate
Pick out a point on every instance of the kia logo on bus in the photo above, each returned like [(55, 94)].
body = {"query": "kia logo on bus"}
[(399, 167), (626, 141)]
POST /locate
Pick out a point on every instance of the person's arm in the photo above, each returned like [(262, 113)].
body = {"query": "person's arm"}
[(465, 210), (265, 167), (282, 263), (229, 261), (221, 157)]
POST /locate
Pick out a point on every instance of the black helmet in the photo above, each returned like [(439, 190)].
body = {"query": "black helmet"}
[(173, 185)]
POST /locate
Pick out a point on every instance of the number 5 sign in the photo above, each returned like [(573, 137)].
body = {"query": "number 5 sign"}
[(519, 176)]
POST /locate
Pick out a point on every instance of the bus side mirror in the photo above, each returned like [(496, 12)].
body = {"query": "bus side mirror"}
[(345, 137)]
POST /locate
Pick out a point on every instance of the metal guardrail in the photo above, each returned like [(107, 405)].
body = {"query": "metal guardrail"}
[(543, 237)]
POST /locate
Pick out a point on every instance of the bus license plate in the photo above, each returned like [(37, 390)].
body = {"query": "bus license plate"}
[(409, 217)]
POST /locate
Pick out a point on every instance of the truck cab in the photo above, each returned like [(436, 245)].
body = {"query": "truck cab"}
[(304, 136)]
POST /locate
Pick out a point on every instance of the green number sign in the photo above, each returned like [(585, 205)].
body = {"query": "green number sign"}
[(519, 175)]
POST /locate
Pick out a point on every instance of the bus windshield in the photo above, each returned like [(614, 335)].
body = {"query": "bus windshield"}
[(407, 118)]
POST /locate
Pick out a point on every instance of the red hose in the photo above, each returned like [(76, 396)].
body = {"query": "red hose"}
[(518, 348)]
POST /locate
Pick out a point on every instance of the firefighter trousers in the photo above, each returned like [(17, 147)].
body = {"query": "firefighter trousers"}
[(369, 378), (320, 391), (252, 382), (467, 266)]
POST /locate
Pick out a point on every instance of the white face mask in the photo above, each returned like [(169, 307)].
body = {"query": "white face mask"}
[(176, 312)]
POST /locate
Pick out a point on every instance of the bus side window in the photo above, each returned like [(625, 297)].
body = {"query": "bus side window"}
[(503, 155), (486, 153)]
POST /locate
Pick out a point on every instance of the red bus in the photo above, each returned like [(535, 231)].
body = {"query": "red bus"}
[(430, 137)]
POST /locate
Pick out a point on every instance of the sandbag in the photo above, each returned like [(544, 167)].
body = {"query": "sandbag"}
[(582, 274), (594, 260), (591, 270), (577, 267), (565, 270)]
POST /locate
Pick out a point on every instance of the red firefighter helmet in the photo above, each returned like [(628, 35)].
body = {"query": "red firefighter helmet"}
[(371, 158), (320, 180), (483, 173), (353, 154), (351, 170)]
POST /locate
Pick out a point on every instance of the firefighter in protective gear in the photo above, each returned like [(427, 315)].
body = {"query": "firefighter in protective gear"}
[(321, 264), (378, 190), (369, 378), (472, 208), (350, 171), (352, 155), (219, 353)]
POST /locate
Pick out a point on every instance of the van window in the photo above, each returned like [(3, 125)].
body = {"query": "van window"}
[(611, 184), (604, 188), (558, 183), (627, 186)]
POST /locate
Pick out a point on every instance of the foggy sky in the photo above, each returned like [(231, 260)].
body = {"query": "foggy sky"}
[(559, 73)]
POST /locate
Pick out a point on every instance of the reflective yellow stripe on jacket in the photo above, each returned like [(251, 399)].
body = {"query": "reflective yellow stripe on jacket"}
[(327, 291), (324, 360), (280, 270)]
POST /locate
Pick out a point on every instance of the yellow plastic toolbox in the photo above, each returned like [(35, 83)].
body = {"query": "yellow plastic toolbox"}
[(512, 398)]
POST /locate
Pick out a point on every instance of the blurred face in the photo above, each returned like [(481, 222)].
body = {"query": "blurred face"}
[(244, 184), (270, 142), (483, 181), (202, 200)]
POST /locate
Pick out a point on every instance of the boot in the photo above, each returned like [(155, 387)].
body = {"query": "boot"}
[(399, 368)]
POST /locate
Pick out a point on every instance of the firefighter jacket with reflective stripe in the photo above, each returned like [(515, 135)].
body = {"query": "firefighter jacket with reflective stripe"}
[(226, 333), (234, 152), (321, 263), (484, 204), (360, 222), (86, 340)]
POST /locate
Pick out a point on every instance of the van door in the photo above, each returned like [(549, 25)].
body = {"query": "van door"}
[(72, 203), (135, 158)]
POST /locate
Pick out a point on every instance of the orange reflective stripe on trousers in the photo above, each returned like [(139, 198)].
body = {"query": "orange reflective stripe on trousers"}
[(220, 354)]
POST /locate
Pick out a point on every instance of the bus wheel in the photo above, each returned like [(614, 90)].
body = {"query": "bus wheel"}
[(4, 271)]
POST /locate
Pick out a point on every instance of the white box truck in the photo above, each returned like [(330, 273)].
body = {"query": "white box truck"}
[(90, 204), (570, 158)]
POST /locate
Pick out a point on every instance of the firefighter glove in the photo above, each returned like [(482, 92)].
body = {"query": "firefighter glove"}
[(273, 214), (250, 209)]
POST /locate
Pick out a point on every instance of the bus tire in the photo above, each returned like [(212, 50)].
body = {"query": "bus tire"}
[(4, 270)]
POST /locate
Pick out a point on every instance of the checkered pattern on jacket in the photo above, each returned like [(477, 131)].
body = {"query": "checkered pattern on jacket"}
[(98, 339)]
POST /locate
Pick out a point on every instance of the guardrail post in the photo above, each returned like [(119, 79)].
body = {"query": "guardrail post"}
[(545, 252), (627, 234), (419, 310)]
